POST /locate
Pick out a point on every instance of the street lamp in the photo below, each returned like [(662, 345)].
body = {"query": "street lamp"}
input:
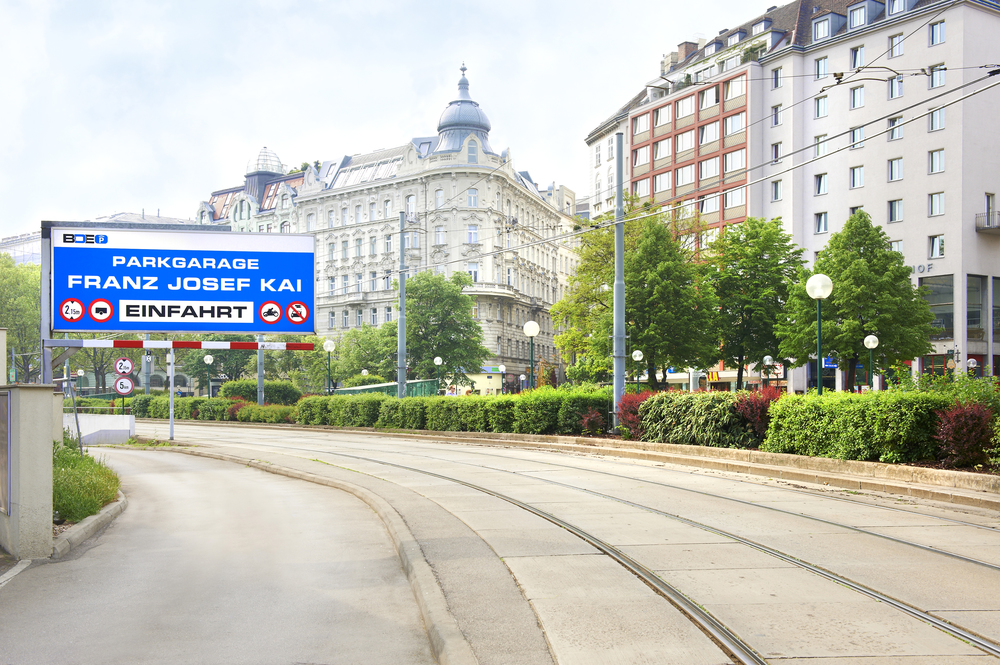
[(79, 375), (768, 363), (503, 378), (637, 356), (871, 343), (523, 377), (364, 372), (972, 363), (531, 329), (819, 287), (328, 346), (208, 361), (437, 366)]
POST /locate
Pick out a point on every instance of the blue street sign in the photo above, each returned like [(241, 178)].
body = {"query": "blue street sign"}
[(117, 280)]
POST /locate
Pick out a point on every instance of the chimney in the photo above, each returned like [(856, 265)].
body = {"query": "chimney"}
[(685, 49), (669, 62)]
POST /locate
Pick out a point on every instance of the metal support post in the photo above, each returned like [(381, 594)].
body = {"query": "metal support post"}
[(260, 371), (619, 286), (171, 363), (819, 346), (532, 383), (46, 311), (401, 331), (147, 367)]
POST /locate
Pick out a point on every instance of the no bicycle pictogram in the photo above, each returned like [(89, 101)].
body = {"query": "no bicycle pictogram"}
[(297, 312), (269, 312)]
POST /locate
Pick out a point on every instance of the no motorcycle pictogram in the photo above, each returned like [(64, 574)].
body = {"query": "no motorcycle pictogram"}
[(269, 312)]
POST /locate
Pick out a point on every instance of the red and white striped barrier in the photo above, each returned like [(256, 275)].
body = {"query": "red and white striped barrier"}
[(176, 344)]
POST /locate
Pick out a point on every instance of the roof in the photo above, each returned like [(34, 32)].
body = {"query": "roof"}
[(369, 167), (617, 117)]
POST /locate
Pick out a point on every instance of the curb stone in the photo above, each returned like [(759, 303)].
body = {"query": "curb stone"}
[(87, 527)]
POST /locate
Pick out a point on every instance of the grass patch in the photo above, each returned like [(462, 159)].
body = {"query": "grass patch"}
[(81, 485)]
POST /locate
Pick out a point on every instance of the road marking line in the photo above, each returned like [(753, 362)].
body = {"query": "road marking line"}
[(9, 575)]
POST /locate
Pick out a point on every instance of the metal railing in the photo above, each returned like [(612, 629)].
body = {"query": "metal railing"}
[(988, 221)]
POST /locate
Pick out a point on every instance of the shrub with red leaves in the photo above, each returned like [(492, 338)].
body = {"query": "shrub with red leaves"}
[(592, 422), (964, 433), (628, 413), (235, 407), (753, 408)]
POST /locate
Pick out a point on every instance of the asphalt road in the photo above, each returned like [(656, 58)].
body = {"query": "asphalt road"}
[(212, 563)]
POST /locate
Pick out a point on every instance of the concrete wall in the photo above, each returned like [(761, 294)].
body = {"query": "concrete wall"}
[(26, 531), (100, 428)]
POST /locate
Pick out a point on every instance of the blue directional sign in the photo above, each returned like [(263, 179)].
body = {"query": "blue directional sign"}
[(115, 280)]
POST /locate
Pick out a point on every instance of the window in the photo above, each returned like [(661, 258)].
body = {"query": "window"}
[(895, 169), (822, 68), (775, 152), (858, 97), (387, 281), (936, 33), (611, 148), (820, 143), (346, 319), (685, 175), (332, 249), (685, 141), (896, 6), (438, 198), (343, 249), (473, 198), (372, 245), (597, 155), (896, 210), (775, 190), (357, 214), (857, 137), (332, 285), (937, 76), (821, 183), (640, 156), (935, 203), (821, 29), (895, 128), (708, 133), (359, 284), (661, 182), (734, 38), (641, 187), (473, 270), (857, 17), (285, 201), (708, 203), (857, 177), (776, 78), (853, 210), (473, 153), (359, 249), (708, 98), (386, 208), (735, 197), (345, 282), (373, 280), (936, 247), (708, 168), (734, 124), (661, 116), (359, 318), (331, 217), (685, 107), (935, 161), (640, 124), (661, 149), (734, 161), (343, 216), (388, 243), (895, 87), (935, 120), (776, 115), (439, 237), (895, 46), (374, 316), (822, 222), (822, 106), (736, 87), (333, 320), (472, 233), (896, 246)]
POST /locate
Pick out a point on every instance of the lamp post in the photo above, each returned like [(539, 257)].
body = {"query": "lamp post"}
[(503, 379), (768, 363), (79, 375), (208, 361), (523, 377), (972, 363), (531, 329), (871, 343), (437, 381), (819, 287), (364, 372), (328, 346), (637, 356)]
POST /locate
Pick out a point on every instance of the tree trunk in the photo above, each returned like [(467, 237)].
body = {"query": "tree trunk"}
[(852, 373), (739, 373)]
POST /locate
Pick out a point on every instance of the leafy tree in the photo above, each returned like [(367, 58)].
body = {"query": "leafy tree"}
[(100, 362), (752, 264), (872, 294), (227, 364), (367, 347), (439, 323), (20, 291)]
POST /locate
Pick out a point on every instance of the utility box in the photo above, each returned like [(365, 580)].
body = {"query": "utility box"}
[(27, 415)]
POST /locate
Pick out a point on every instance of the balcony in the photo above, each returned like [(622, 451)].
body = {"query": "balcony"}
[(988, 222)]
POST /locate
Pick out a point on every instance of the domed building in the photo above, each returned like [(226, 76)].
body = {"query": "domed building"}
[(467, 208)]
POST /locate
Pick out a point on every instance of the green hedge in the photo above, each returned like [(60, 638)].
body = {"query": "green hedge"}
[(695, 419), (890, 426), (442, 414), (268, 413), (275, 392)]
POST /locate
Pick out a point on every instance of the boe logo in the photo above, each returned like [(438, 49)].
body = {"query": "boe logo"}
[(84, 239)]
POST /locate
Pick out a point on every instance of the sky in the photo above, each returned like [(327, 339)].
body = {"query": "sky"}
[(109, 106)]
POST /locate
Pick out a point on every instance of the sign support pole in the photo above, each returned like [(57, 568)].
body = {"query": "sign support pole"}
[(146, 368), (401, 331), (171, 393), (260, 372), (45, 372), (618, 350)]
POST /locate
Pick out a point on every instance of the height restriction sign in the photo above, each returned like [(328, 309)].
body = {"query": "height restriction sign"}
[(123, 366)]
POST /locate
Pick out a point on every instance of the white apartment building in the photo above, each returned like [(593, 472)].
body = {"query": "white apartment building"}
[(467, 209), (815, 109)]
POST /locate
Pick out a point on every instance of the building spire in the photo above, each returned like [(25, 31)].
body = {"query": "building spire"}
[(463, 85)]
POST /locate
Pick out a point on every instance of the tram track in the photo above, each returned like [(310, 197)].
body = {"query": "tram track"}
[(711, 626)]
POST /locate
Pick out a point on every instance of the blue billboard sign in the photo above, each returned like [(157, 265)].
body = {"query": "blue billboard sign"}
[(129, 280)]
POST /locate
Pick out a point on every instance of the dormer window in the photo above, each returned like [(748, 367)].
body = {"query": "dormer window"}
[(712, 48), (473, 153), (761, 26), (284, 201), (857, 17), (735, 38), (821, 29), (896, 6)]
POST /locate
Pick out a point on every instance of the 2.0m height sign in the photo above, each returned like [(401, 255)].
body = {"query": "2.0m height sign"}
[(118, 280)]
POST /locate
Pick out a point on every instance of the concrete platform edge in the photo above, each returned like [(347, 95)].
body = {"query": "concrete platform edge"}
[(87, 527), (448, 643)]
